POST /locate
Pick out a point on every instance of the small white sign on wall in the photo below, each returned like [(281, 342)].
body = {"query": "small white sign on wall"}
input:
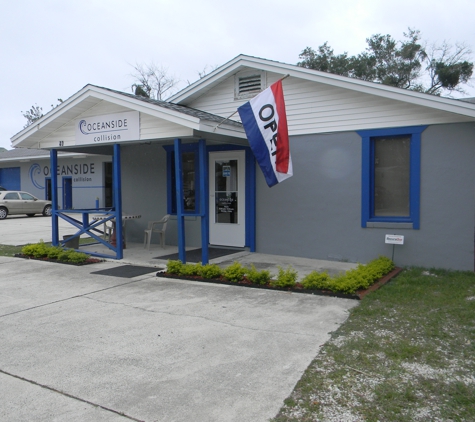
[(394, 239), (110, 128)]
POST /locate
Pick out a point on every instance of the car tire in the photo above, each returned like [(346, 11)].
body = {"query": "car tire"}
[(47, 211), (30, 215), (3, 213)]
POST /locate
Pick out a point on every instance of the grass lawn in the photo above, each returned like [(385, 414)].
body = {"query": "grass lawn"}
[(407, 353), (8, 250)]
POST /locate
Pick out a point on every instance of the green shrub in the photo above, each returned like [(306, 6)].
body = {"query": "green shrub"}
[(364, 275), (285, 278), (36, 250), (210, 271), (41, 250), (75, 257), (358, 278), (53, 252), (235, 272), (258, 277), (174, 267), (190, 269), (316, 280)]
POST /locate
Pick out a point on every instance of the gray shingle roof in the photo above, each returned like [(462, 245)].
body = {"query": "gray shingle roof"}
[(179, 108), (18, 153)]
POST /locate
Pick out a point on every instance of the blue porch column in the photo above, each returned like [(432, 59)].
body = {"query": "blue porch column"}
[(179, 201), (54, 197), (204, 201), (117, 201)]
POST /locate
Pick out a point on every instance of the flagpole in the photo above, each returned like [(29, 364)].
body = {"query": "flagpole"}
[(221, 122), (231, 115)]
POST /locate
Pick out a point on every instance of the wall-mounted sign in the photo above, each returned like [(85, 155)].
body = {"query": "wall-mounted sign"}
[(394, 239), (109, 128)]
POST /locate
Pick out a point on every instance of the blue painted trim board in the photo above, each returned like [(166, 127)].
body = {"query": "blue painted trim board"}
[(54, 199), (204, 209), (179, 202), (117, 191), (367, 174)]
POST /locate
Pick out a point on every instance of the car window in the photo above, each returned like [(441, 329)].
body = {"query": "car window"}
[(11, 195), (27, 196)]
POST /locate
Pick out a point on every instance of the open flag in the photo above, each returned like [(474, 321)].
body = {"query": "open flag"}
[(265, 123)]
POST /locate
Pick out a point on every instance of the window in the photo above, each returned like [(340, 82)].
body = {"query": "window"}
[(11, 195), (391, 177), (190, 171), (27, 196), (248, 84)]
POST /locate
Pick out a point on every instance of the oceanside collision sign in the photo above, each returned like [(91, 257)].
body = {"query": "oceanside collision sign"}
[(110, 128)]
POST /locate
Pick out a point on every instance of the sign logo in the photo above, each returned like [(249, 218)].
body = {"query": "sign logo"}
[(35, 176)]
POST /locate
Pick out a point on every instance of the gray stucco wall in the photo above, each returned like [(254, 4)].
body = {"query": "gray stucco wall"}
[(317, 212), (144, 192)]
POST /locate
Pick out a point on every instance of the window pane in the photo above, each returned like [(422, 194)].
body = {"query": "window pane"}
[(391, 176), (27, 196), (188, 163), (226, 191), (188, 175)]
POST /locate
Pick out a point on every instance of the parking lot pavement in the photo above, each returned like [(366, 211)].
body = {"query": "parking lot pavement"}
[(20, 230), (79, 346)]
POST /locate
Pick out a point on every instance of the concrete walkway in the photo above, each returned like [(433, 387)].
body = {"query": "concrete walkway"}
[(80, 346)]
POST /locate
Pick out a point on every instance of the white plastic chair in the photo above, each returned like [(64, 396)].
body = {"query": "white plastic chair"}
[(154, 227), (108, 226)]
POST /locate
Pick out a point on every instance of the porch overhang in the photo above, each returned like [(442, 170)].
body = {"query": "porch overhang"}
[(159, 121)]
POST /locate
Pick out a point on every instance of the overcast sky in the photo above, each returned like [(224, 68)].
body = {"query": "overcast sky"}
[(50, 49)]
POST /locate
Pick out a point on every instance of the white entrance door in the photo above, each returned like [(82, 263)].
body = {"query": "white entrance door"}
[(227, 214)]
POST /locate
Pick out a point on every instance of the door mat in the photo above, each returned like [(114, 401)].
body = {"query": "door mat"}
[(126, 271), (194, 255)]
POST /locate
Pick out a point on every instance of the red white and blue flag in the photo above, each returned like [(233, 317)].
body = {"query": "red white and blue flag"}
[(265, 123)]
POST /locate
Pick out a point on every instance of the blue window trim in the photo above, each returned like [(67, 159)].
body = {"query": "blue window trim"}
[(367, 179), (170, 177)]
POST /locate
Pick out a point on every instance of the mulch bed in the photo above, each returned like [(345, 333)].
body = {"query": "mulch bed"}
[(358, 295), (87, 262)]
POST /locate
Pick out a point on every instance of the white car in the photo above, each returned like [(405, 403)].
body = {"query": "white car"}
[(18, 202)]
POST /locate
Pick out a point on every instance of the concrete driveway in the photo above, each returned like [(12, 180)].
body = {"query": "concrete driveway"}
[(20, 230), (77, 346)]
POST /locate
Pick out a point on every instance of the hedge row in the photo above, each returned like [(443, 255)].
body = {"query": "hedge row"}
[(358, 278), (41, 250)]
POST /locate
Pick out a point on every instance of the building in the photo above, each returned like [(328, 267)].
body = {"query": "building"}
[(369, 160), (85, 180)]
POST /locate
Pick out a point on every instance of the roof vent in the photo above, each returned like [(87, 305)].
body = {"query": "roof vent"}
[(248, 84)]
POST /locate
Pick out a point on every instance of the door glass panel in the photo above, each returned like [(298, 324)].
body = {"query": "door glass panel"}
[(226, 191)]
